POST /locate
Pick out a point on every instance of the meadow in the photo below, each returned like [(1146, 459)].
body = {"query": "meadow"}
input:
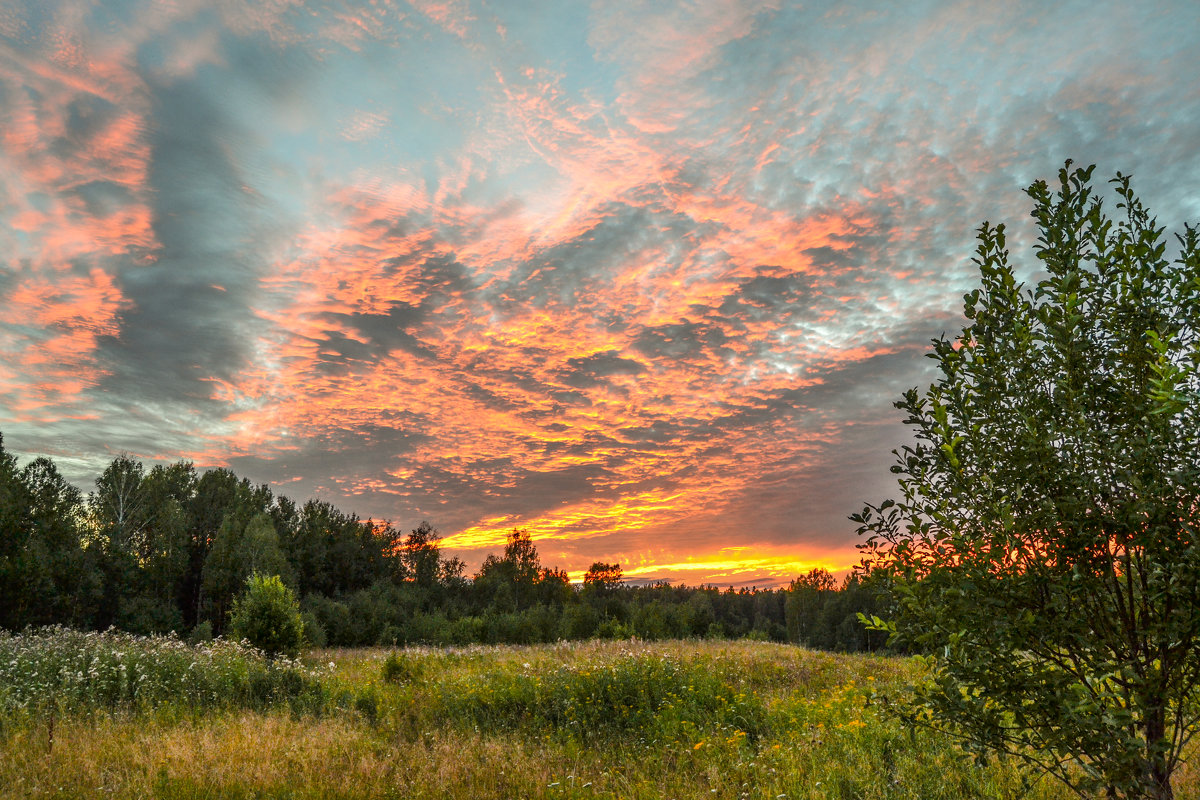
[(112, 715)]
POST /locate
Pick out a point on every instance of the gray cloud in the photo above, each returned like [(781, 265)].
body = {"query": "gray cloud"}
[(592, 370)]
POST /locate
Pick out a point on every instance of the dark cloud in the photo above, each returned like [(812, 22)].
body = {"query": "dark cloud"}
[(383, 332), (830, 259), (681, 340), (103, 198), (369, 450), (664, 431), (589, 371), (776, 299), (189, 309), (583, 265), (87, 116)]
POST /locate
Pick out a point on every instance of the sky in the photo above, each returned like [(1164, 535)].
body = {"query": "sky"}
[(643, 278)]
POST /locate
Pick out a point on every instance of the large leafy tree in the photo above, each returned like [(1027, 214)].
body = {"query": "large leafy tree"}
[(163, 551), (420, 556), (16, 525), (1045, 548), (511, 582), (120, 519), (71, 583)]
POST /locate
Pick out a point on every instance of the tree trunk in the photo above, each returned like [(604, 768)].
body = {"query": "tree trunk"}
[(1158, 774)]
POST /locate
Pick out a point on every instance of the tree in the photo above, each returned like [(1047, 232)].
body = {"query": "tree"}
[(237, 553), (119, 503), (164, 550), (16, 526), (421, 556), (268, 616), (806, 598), (56, 510), (120, 519), (602, 578), (522, 555), (509, 583), (1046, 546), (217, 494)]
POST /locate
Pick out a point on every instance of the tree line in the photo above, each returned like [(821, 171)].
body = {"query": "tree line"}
[(169, 549)]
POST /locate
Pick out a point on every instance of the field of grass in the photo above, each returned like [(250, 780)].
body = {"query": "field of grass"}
[(695, 719)]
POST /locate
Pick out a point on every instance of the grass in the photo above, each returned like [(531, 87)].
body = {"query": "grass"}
[(57, 671), (593, 720)]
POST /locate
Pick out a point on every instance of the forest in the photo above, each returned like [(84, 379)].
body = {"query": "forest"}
[(169, 549)]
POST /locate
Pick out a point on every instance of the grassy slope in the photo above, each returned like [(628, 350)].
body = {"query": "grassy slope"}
[(463, 727)]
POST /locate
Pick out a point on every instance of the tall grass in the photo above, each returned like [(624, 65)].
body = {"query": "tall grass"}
[(656, 697), (58, 670), (743, 721)]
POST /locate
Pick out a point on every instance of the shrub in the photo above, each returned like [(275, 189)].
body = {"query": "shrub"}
[(268, 617), (201, 634), (466, 630), (334, 618), (614, 629), (1044, 548), (428, 629)]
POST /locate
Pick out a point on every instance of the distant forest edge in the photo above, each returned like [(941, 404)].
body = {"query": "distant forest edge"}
[(169, 549)]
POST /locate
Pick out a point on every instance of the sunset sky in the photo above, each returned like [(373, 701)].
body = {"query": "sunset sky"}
[(641, 277)]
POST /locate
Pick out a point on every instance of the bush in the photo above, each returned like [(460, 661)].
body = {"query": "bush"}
[(427, 629), (268, 617), (467, 630), (147, 616), (201, 634), (614, 629)]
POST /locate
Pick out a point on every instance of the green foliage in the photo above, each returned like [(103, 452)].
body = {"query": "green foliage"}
[(615, 629), (421, 558), (511, 582), (805, 601), (45, 575), (823, 615), (268, 617), (579, 621), (314, 632), (1045, 550)]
